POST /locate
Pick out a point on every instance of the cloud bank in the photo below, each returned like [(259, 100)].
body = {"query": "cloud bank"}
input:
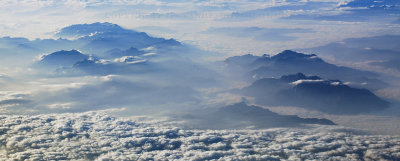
[(98, 136)]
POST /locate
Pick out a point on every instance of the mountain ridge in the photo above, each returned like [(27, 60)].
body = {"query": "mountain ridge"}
[(314, 93)]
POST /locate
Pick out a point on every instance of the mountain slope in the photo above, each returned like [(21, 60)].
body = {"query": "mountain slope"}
[(288, 62), (63, 58), (241, 115), (313, 93)]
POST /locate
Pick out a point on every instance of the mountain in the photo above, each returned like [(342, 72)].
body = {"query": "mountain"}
[(101, 37), (376, 48), (314, 93), (243, 60), (123, 65), (372, 51), (117, 53), (167, 43), (241, 115), (113, 50), (81, 30), (288, 62), (101, 40), (63, 58), (95, 38)]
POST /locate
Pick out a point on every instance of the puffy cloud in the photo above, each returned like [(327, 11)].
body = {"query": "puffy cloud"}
[(98, 136)]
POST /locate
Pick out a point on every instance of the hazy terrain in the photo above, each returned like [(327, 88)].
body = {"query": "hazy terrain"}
[(199, 80)]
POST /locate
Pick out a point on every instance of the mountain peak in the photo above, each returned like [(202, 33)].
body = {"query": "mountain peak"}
[(298, 76), (65, 52), (289, 54), (314, 93), (79, 30), (241, 60), (63, 58), (262, 117), (243, 109)]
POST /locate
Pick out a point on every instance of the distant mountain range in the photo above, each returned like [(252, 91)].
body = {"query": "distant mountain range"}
[(310, 92), (96, 39), (108, 49), (100, 37), (288, 62), (241, 115), (112, 49), (83, 30), (381, 51), (117, 53), (314, 93)]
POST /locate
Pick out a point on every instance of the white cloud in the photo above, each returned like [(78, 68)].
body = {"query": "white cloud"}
[(60, 105), (98, 136), (305, 81), (130, 59)]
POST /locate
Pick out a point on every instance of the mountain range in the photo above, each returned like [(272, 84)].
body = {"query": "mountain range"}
[(379, 51), (314, 93), (147, 71), (241, 115), (289, 62)]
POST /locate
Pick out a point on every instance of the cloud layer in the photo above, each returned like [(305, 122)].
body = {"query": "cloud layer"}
[(98, 136)]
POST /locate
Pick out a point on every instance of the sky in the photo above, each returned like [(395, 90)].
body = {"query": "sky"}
[(261, 27)]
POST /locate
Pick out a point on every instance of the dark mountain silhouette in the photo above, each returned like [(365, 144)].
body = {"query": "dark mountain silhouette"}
[(100, 37), (117, 53), (243, 60), (167, 43), (93, 67), (241, 115), (288, 62), (311, 92), (96, 38), (80, 30), (63, 58)]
